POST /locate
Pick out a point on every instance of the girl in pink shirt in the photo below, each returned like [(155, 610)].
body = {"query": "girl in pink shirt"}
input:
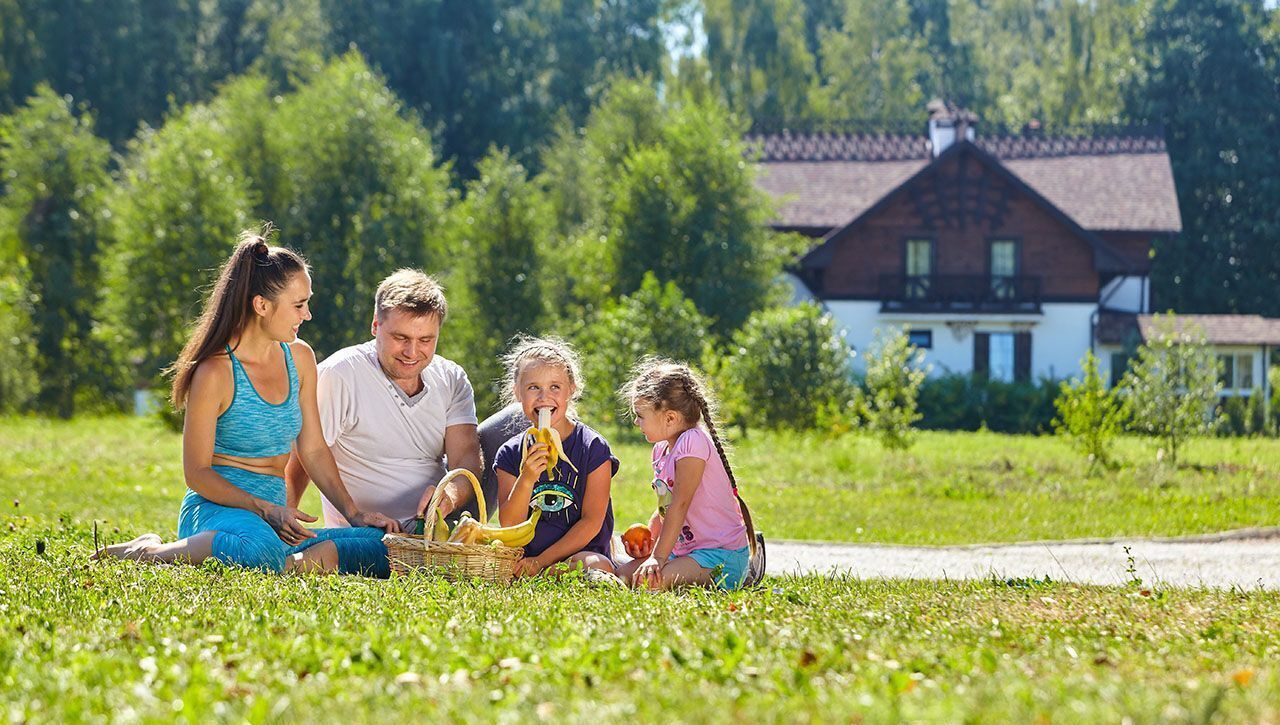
[(699, 533)]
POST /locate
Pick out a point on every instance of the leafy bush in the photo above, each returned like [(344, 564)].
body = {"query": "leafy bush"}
[(1089, 416), (783, 368), (895, 371), (1172, 387), (968, 402), (655, 320)]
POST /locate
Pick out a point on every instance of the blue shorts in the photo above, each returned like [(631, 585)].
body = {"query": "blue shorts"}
[(728, 566), (244, 539)]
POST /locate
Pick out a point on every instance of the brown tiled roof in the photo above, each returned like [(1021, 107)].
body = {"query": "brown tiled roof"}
[(1121, 328), (817, 194), (1221, 329), (1104, 182)]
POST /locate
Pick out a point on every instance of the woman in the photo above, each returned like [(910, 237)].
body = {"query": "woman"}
[(249, 388)]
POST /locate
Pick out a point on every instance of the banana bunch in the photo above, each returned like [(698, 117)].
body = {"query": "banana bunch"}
[(470, 531), (544, 433)]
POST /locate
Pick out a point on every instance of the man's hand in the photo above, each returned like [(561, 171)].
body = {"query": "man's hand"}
[(287, 522), (445, 507), (375, 520)]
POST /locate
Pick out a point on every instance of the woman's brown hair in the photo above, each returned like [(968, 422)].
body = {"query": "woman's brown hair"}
[(255, 268)]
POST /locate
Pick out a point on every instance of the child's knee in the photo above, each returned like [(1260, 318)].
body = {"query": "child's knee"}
[(591, 560)]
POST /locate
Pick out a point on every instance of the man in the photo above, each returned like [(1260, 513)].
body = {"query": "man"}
[(393, 411)]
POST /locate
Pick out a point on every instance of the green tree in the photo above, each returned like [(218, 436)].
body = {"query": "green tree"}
[(360, 193), (654, 320), (500, 228), (175, 217), (758, 56), (18, 381), (895, 372), (1171, 389), (1089, 415), (687, 209), (1210, 76), (783, 368), (51, 216), (876, 64)]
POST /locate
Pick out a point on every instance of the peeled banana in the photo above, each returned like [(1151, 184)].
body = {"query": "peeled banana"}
[(544, 433)]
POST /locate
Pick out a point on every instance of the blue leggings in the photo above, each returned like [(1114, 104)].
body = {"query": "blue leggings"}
[(245, 539)]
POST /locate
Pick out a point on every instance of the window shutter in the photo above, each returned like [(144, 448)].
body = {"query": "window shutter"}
[(1022, 357), (981, 354)]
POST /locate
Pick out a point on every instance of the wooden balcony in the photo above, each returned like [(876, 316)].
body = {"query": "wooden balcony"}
[(959, 293)]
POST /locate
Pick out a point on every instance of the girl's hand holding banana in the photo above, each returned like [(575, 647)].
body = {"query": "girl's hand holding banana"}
[(535, 461)]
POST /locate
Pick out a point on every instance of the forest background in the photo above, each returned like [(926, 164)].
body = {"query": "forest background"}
[(572, 167)]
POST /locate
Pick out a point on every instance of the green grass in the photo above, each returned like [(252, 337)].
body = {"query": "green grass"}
[(126, 641), (951, 488), (119, 641)]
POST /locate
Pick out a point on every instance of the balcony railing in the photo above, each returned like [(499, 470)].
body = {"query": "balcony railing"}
[(959, 293)]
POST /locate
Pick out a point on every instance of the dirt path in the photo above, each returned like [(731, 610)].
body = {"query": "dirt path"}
[(1248, 558)]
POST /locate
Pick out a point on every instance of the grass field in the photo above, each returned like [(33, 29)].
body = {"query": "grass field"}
[(951, 488), (119, 641)]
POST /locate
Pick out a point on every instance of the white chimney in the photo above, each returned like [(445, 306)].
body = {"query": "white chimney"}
[(947, 123)]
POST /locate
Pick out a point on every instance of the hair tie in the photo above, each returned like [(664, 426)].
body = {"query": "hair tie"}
[(262, 254)]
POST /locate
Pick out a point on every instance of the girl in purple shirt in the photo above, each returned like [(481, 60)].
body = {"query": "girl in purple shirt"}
[(700, 537), (576, 524)]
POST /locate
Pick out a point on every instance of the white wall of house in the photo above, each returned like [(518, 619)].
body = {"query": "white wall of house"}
[(1127, 294), (1059, 337)]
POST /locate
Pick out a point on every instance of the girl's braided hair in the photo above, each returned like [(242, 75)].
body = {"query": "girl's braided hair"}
[(668, 385)]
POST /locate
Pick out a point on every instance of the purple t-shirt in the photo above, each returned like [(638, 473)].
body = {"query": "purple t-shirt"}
[(588, 450)]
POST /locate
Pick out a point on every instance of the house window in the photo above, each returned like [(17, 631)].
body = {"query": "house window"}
[(1235, 371), (1004, 267), (922, 339), (1000, 358), (919, 268)]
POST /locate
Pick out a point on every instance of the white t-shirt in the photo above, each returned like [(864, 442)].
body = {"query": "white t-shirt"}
[(388, 448)]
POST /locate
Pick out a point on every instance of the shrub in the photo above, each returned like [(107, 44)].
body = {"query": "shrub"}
[(968, 402), (895, 371), (655, 320), (1172, 388), (1089, 416), (782, 368)]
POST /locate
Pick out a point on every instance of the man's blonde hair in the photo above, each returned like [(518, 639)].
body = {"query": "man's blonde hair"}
[(411, 291)]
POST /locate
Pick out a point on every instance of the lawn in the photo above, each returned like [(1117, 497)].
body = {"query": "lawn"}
[(951, 488), (125, 641), (119, 641)]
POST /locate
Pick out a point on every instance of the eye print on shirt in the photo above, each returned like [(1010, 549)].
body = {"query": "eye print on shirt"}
[(551, 498)]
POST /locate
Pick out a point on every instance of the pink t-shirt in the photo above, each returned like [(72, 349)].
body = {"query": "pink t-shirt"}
[(714, 520)]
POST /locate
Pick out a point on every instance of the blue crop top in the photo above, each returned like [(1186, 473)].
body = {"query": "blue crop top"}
[(253, 428)]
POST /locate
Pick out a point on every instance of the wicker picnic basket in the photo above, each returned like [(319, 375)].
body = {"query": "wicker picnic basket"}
[(450, 559)]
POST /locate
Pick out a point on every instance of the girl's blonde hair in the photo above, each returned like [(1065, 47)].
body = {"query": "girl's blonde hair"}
[(544, 350), (668, 385)]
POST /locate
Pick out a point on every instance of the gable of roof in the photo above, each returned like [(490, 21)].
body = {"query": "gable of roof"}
[(1107, 182), (1105, 257)]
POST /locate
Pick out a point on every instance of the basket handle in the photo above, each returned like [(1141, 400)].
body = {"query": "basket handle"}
[(428, 525)]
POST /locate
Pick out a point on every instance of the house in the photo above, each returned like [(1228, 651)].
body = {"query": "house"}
[(1243, 344), (998, 252)]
